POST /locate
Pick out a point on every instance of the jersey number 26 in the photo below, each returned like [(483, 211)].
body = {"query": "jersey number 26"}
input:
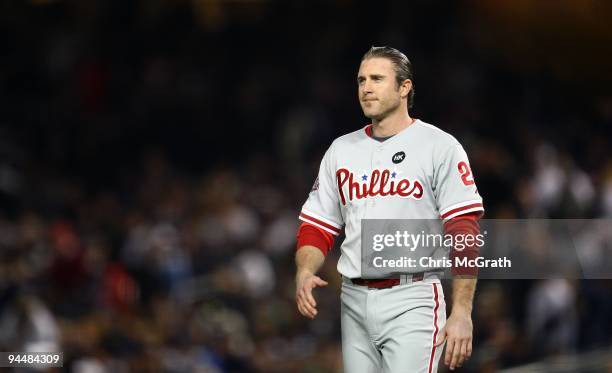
[(466, 173)]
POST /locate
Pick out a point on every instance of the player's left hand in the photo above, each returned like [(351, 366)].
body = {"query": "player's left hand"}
[(458, 334)]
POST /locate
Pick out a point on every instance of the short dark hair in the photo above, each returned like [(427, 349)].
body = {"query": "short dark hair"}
[(403, 67)]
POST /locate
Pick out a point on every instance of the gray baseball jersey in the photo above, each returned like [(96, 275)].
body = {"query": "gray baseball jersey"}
[(420, 173)]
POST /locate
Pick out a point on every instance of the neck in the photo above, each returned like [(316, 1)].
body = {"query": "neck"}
[(391, 124)]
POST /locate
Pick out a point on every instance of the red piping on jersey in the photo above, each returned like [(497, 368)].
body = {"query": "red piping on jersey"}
[(433, 347), (473, 205), (322, 223)]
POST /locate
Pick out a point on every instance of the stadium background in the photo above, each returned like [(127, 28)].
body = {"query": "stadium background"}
[(154, 156)]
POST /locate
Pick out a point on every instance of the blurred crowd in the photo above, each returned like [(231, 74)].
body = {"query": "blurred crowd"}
[(154, 157)]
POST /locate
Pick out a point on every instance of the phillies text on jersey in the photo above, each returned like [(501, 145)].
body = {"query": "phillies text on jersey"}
[(420, 173)]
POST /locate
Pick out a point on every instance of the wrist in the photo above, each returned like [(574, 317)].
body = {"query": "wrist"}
[(462, 310), (303, 273)]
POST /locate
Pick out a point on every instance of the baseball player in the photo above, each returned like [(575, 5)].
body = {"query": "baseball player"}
[(396, 167)]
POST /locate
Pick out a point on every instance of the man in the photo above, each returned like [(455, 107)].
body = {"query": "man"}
[(397, 324)]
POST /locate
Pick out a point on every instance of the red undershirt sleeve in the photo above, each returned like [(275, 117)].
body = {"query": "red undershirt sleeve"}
[(466, 224), (309, 234)]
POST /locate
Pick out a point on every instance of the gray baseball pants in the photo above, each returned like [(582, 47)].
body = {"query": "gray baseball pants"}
[(392, 330)]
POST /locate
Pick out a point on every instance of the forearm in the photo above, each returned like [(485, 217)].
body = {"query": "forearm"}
[(308, 260), (463, 294)]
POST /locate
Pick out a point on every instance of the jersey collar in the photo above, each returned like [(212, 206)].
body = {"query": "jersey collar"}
[(370, 133)]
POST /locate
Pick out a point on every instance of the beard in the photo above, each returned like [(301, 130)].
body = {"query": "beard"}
[(382, 112)]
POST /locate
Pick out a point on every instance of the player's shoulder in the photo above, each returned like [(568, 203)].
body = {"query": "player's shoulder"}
[(434, 135)]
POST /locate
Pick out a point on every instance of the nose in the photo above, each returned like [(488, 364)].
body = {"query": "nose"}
[(366, 87)]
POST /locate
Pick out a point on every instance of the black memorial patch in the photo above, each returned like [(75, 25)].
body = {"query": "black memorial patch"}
[(398, 157)]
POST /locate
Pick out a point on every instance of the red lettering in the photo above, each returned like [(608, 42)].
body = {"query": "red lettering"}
[(465, 172), (402, 186), (353, 188), (341, 177), (419, 187), (383, 182), (379, 185), (364, 193), (373, 183)]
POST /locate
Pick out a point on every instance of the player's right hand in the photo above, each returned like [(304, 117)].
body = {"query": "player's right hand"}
[(304, 299)]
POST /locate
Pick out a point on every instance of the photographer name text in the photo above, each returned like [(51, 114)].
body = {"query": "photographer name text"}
[(428, 262)]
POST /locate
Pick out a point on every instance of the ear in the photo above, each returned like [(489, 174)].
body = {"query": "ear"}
[(405, 88)]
